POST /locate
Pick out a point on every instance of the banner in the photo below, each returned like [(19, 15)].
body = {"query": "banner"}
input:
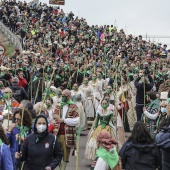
[(57, 2)]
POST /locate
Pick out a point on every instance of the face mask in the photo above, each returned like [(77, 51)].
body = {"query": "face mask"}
[(93, 78), (48, 105), (99, 76), (41, 128), (111, 101), (1, 85), (38, 68), (85, 82), (64, 99), (109, 91), (7, 96), (74, 88), (104, 106), (140, 74), (14, 86), (59, 93), (163, 109)]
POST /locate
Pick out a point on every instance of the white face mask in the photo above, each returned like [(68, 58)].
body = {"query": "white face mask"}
[(140, 74), (41, 128), (163, 109)]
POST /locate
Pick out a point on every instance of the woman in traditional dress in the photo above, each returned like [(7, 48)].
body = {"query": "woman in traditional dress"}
[(115, 107), (104, 121), (78, 98), (97, 90), (88, 107)]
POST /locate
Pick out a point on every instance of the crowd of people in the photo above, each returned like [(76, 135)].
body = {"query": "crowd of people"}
[(71, 76)]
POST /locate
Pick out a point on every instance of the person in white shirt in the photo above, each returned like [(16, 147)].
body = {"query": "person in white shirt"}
[(66, 123)]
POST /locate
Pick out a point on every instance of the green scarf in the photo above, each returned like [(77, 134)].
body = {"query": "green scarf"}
[(48, 68), (1, 142), (35, 78), (60, 78), (110, 157), (155, 104), (88, 71), (23, 130), (81, 72), (131, 74), (66, 103), (168, 100)]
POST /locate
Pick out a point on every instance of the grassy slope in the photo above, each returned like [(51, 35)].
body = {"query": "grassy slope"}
[(9, 47)]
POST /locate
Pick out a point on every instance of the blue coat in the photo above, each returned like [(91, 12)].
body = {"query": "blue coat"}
[(14, 143), (163, 142), (5, 158)]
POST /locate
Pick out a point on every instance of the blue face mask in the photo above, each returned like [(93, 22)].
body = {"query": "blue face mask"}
[(163, 109)]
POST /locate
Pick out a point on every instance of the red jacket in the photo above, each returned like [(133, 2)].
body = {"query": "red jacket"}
[(22, 82)]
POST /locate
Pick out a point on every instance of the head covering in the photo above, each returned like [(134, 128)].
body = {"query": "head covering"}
[(15, 80), (164, 95), (8, 90), (40, 136)]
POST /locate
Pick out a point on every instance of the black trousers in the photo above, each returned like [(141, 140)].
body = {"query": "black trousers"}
[(139, 111)]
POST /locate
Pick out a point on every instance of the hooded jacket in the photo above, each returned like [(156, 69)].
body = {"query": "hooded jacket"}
[(163, 142), (42, 153), (140, 156)]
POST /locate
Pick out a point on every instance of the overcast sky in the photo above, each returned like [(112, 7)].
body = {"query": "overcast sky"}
[(150, 17)]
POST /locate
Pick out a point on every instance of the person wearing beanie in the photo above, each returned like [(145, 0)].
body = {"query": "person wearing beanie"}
[(19, 93)]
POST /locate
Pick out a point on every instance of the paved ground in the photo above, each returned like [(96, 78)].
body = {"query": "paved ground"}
[(84, 164)]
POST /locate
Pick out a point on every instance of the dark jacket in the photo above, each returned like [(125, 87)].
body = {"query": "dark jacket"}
[(19, 93), (163, 142), (45, 152), (140, 89), (140, 156)]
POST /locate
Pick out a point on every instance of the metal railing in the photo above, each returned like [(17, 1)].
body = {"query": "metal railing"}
[(11, 37)]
